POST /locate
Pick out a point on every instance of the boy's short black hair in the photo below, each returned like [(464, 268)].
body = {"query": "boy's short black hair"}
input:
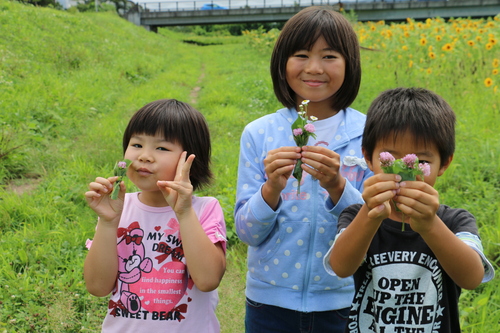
[(423, 113), (180, 123), (300, 33)]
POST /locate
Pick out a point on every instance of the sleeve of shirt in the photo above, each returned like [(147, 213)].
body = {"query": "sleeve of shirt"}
[(326, 258), (350, 196), (344, 220), (475, 243), (212, 222), (463, 224), (253, 217)]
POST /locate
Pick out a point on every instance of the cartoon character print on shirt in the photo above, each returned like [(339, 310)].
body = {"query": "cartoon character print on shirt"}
[(164, 288), (132, 263)]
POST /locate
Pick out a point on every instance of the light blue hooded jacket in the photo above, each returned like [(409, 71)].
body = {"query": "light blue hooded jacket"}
[(286, 246)]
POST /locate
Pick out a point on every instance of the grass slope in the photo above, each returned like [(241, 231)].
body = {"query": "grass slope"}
[(68, 84)]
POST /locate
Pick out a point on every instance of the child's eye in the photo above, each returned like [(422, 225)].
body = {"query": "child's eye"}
[(162, 148), (423, 161), (136, 145), (300, 55)]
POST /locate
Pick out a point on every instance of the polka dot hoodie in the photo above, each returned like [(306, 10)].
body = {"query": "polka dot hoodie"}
[(286, 246)]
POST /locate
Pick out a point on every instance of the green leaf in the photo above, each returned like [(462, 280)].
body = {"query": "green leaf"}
[(298, 123)]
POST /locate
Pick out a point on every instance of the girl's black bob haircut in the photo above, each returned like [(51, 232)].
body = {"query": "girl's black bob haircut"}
[(300, 33), (180, 123), (420, 112)]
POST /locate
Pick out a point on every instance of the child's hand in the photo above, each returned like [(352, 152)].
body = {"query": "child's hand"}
[(98, 198), (278, 165), (419, 202), (324, 165), (178, 192), (378, 191)]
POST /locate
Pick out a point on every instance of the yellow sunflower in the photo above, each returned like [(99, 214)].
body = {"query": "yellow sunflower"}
[(423, 41), (447, 47), (488, 82)]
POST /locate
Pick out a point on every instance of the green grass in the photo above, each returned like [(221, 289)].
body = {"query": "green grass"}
[(69, 83)]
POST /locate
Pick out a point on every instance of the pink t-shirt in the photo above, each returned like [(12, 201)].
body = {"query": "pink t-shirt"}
[(154, 291)]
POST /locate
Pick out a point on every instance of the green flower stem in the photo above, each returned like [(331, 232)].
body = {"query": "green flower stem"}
[(121, 172), (297, 173), (116, 188)]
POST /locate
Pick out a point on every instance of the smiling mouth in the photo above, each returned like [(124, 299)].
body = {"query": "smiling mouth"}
[(313, 83)]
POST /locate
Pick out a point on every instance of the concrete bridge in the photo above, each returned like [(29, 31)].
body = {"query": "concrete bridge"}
[(172, 13)]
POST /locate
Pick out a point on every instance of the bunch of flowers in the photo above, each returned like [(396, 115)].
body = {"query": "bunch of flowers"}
[(119, 170), (302, 129), (407, 167)]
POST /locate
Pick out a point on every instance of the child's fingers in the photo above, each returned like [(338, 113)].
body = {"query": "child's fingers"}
[(102, 184), (100, 188), (380, 192), (380, 211), (163, 185), (283, 155), (285, 150), (182, 160), (280, 166), (91, 195), (186, 168), (382, 177), (180, 187), (417, 206)]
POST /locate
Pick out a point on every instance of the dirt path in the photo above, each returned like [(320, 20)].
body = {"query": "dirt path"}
[(21, 186), (194, 92)]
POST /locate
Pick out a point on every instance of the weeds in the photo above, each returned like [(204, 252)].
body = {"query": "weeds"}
[(67, 95)]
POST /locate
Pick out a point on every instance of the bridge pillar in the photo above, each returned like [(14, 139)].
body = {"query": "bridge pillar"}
[(134, 17)]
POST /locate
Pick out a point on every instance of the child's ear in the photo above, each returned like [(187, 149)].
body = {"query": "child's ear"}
[(368, 159), (445, 165)]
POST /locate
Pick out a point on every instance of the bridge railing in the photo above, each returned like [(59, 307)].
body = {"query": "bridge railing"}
[(186, 5)]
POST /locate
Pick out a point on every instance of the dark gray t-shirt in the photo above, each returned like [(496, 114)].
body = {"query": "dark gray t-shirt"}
[(400, 286)]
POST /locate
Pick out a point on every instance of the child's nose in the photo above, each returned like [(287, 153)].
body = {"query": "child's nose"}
[(145, 157), (314, 66)]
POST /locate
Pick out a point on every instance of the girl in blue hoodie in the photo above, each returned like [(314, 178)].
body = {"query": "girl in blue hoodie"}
[(288, 230)]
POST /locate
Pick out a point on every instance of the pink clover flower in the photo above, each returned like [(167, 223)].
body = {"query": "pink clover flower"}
[(310, 128), (410, 160), (425, 168), (386, 159)]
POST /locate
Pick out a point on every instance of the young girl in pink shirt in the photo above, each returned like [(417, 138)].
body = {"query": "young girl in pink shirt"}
[(159, 252)]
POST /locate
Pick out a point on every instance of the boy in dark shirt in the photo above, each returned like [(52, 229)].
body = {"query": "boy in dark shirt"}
[(407, 281)]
